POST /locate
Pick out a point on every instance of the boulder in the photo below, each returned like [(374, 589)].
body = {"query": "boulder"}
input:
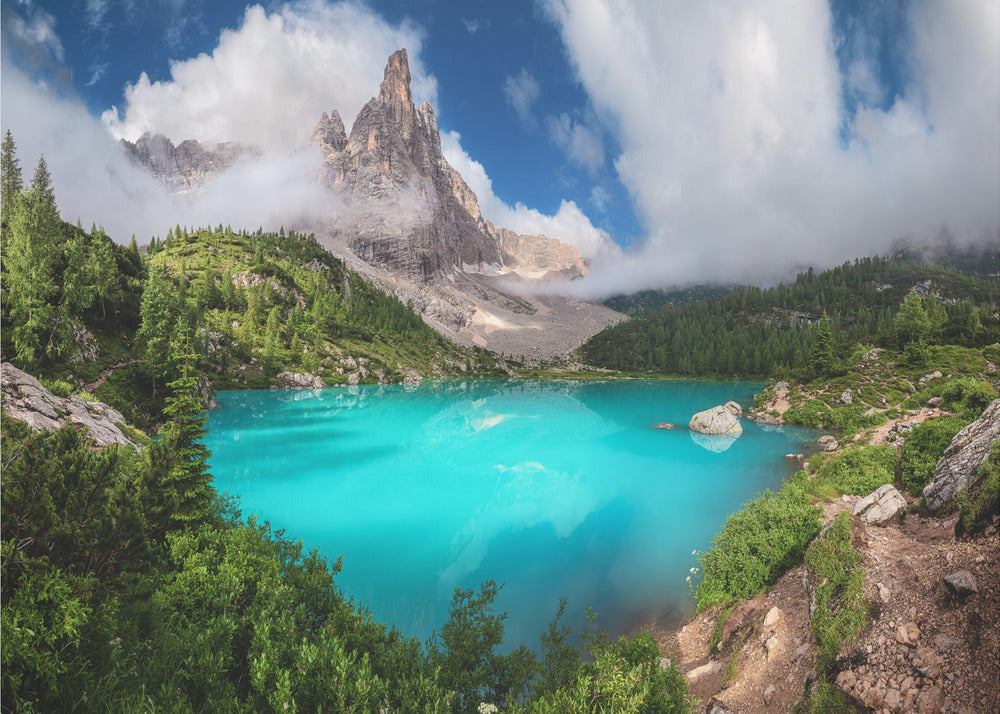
[(735, 408), (934, 402), (846, 397), (25, 398), (715, 422), (828, 443), (880, 507), (963, 458), (766, 419), (961, 583)]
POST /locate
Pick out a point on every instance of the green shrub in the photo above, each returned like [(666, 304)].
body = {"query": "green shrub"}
[(923, 448), (757, 544), (968, 395), (980, 500), (857, 471), (992, 353), (58, 387), (841, 608)]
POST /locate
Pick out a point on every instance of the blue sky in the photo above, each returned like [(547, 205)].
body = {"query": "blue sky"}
[(725, 140)]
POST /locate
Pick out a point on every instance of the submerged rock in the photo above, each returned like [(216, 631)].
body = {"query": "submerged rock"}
[(714, 442), (716, 421)]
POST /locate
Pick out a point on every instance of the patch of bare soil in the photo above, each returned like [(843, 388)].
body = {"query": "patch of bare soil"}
[(925, 650)]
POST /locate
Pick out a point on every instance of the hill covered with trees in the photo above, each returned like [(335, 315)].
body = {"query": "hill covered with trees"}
[(754, 332)]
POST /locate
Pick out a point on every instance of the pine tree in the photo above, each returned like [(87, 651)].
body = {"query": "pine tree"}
[(103, 270), (11, 184), (821, 358), (157, 318), (187, 482), (32, 242)]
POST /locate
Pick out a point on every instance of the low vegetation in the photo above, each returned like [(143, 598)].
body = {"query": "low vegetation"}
[(757, 544)]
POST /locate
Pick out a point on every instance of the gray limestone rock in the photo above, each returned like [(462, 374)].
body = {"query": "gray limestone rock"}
[(716, 421), (963, 458), (880, 507), (300, 380), (26, 399), (187, 166), (961, 583)]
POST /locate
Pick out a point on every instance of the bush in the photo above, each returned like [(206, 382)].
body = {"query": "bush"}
[(968, 395), (757, 544), (923, 448), (857, 471), (841, 608)]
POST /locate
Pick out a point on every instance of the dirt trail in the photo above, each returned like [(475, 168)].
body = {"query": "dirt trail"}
[(953, 665), (107, 373)]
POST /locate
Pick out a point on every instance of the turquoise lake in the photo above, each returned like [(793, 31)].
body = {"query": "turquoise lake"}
[(553, 488)]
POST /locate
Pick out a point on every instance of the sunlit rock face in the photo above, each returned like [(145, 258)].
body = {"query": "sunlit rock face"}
[(408, 210)]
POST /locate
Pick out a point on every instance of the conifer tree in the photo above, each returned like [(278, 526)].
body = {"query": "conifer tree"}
[(11, 184), (32, 242), (187, 482), (157, 317), (821, 359)]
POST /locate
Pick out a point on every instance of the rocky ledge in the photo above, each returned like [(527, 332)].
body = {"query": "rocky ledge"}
[(24, 398)]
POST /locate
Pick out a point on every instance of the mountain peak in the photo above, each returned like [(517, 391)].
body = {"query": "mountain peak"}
[(395, 89)]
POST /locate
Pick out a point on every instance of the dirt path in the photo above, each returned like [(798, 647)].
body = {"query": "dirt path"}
[(953, 664), (107, 373)]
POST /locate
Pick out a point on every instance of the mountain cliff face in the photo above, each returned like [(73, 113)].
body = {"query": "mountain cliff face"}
[(409, 210), (187, 166)]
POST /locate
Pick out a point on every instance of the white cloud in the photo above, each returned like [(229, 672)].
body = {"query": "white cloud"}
[(569, 224), (729, 118), (582, 144), (475, 24), (267, 82), (35, 29), (600, 198), (522, 91), (94, 182)]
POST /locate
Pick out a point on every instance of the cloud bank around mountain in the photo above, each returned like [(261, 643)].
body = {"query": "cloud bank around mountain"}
[(743, 159), (319, 56)]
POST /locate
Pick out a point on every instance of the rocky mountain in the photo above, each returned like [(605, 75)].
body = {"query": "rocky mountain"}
[(409, 210), (407, 219), (187, 166)]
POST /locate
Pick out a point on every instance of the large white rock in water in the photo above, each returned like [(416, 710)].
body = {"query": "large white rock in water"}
[(716, 421), (881, 506)]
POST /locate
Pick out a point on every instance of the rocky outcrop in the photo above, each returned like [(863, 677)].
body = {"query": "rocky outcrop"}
[(882, 506), (187, 166), (963, 458), (24, 398), (536, 256), (299, 380), (407, 209), (717, 421)]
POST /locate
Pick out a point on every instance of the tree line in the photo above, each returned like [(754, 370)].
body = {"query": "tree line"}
[(753, 332)]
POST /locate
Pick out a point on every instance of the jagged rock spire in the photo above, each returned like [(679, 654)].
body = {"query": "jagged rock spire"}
[(330, 131)]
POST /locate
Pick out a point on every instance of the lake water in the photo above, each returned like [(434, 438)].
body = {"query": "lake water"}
[(553, 488)]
